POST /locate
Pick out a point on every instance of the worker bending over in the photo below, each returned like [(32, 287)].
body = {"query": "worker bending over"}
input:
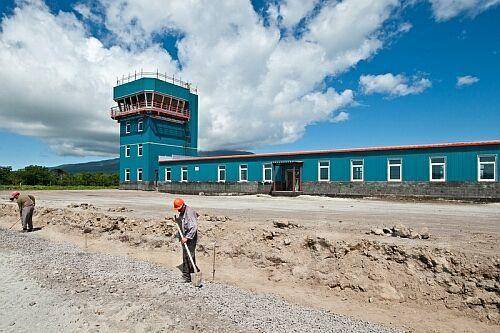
[(188, 220), (26, 203)]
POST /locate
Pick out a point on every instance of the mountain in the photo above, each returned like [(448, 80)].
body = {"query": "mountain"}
[(112, 165)]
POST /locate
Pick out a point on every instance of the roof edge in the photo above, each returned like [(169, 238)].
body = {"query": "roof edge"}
[(343, 150)]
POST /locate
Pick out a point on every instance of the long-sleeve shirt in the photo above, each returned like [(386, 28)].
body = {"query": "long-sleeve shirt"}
[(25, 200), (189, 222)]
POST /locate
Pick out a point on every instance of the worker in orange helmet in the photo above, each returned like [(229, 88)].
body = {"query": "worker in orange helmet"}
[(26, 203), (188, 220)]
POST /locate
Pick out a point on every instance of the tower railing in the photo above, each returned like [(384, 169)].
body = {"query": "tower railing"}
[(151, 106), (160, 76)]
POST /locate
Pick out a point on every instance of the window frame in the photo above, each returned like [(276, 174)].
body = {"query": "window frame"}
[(479, 167), (127, 151), (362, 170), (323, 167), (169, 172), (139, 171), (140, 149), (400, 165), (264, 168), (126, 172), (140, 125), (240, 168), (127, 127), (184, 168), (221, 167), (444, 169)]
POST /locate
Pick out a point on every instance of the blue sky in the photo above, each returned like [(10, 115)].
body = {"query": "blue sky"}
[(410, 94)]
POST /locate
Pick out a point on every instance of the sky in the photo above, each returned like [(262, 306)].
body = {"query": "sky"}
[(272, 75)]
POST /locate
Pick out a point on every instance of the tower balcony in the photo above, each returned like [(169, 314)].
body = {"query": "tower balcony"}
[(152, 108)]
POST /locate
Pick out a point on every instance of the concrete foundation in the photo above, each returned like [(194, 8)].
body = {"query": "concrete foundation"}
[(448, 190)]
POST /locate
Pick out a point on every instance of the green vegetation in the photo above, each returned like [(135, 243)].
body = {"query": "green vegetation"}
[(36, 177)]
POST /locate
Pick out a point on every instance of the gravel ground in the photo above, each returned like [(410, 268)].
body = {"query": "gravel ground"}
[(53, 287)]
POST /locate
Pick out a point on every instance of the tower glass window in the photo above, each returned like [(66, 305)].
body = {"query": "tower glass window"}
[(243, 172), (487, 166), (221, 173), (324, 171), (437, 169), (139, 175), (127, 175), (394, 170), (168, 174), (139, 149), (127, 127), (357, 170), (127, 151), (140, 126), (267, 173), (184, 174)]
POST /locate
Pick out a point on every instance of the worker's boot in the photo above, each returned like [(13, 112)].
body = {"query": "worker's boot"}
[(24, 230)]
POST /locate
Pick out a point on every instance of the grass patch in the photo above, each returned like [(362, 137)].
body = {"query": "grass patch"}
[(54, 187)]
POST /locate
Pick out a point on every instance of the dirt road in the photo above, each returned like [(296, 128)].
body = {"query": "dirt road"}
[(312, 251)]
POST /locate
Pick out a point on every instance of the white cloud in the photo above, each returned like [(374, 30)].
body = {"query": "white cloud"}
[(466, 80), (256, 86), (444, 10), (393, 85), (292, 11)]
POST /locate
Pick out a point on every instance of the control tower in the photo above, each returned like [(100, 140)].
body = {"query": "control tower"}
[(158, 116)]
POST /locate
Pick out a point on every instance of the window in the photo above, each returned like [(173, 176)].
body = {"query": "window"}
[(221, 173), (127, 127), (486, 170), (243, 172), (139, 149), (394, 168), (168, 174), (127, 175), (267, 173), (139, 175), (184, 174), (127, 151), (323, 171), (197, 168), (140, 126), (437, 169), (357, 170)]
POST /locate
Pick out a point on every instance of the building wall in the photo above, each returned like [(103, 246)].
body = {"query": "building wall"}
[(461, 165)]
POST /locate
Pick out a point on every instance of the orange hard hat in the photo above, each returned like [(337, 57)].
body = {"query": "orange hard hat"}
[(14, 194), (178, 203)]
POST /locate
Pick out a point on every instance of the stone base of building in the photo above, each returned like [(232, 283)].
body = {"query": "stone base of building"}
[(450, 190)]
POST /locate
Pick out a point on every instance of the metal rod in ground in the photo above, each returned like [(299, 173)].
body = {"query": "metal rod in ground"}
[(213, 264)]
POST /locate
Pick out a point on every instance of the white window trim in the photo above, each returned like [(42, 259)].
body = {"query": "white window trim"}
[(168, 170), (187, 175), (479, 168), (219, 168), (240, 168), (323, 167), (444, 169), (400, 164), (139, 129), (362, 170), (142, 175), (142, 149), (127, 151), (127, 127), (125, 171), (264, 180)]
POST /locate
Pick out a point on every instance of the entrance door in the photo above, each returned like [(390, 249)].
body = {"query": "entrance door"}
[(289, 180)]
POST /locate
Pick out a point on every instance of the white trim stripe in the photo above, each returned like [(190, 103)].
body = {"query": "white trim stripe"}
[(159, 144)]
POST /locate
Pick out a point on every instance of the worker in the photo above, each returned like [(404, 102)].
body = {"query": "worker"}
[(188, 221), (26, 203)]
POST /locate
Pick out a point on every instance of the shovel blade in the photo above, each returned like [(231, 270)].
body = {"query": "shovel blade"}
[(196, 279)]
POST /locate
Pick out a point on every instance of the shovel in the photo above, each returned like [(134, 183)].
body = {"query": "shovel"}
[(196, 276)]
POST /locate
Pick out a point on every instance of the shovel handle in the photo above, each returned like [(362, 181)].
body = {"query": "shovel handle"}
[(186, 247)]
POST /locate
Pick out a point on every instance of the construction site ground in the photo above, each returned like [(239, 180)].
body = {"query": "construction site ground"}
[(107, 261)]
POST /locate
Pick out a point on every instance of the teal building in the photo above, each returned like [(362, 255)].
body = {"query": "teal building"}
[(158, 119)]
